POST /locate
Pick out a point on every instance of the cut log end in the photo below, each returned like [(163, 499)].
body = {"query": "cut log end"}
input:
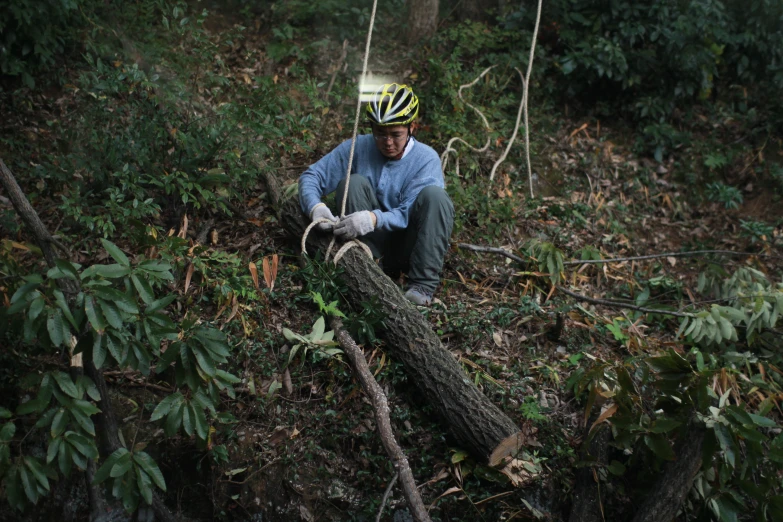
[(507, 449)]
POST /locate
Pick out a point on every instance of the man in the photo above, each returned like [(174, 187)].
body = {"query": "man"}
[(397, 204)]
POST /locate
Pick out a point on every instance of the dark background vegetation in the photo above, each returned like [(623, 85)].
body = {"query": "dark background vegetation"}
[(655, 126)]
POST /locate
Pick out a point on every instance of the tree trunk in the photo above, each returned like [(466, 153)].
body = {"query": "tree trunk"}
[(422, 20), (475, 422), (587, 504), (664, 500)]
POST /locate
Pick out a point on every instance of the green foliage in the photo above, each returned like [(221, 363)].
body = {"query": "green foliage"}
[(549, 259), (35, 33), (116, 318), (318, 341), (731, 197), (365, 323)]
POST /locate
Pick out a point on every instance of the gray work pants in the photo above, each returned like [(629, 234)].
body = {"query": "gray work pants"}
[(417, 250)]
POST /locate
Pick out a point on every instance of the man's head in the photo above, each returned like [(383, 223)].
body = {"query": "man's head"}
[(391, 111)]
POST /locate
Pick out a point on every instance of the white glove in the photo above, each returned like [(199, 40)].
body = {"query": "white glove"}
[(354, 225), (321, 211)]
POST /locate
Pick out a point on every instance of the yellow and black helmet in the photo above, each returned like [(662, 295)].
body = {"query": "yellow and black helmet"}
[(393, 104)]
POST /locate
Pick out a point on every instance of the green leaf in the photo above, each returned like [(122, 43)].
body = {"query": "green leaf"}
[(151, 468), (115, 252), (24, 290), (27, 482), (35, 468), (160, 304), (764, 422), (144, 483), (54, 446), (616, 468), (83, 420), (32, 406), (63, 305), (204, 360), (94, 315), (64, 459), (98, 350), (202, 428), (120, 299), (162, 409), (7, 431), (122, 466), (59, 422), (318, 330), (82, 444), (174, 418), (54, 325), (726, 443), (104, 471), (86, 407), (664, 425), (36, 307), (66, 384), (188, 419), (111, 313), (660, 445), (144, 289)]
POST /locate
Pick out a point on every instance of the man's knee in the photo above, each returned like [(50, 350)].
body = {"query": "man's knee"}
[(359, 184), (434, 197)]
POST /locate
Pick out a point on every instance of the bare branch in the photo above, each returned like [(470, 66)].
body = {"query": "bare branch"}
[(618, 304), (381, 408)]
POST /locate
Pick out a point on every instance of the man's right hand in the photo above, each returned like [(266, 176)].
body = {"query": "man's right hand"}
[(321, 211)]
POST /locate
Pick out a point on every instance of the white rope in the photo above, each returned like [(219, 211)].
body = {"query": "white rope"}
[(354, 242), (523, 107), (444, 158), (527, 84)]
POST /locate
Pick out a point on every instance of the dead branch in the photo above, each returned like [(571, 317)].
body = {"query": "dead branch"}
[(490, 250), (619, 304), (386, 496), (30, 217), (381, 410), (693, 253)]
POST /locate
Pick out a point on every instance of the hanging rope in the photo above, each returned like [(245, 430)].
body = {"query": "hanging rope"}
[(354, 242), (523, 107)]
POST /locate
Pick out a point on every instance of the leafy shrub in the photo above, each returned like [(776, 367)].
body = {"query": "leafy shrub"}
[(729, 196), (116, 318), (35, 33)]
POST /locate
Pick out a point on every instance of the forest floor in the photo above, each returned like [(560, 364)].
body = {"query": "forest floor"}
[(303, 444)]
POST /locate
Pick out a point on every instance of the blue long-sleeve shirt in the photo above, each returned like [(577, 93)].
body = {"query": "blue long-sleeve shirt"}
[(397, 183)]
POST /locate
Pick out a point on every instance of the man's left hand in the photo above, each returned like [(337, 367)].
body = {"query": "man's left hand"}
[(355, 225)]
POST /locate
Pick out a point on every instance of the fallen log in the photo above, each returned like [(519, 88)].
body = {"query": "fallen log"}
[(475, 422)]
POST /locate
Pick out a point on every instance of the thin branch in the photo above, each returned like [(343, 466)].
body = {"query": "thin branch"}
[(668, 254), (502, 252), (617, 304), (491, 250), (386, 496), (381, 410)]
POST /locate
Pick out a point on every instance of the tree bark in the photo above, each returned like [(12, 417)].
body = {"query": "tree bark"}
[(475, 422), (587, 505), (422, 20), (664, 500)]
